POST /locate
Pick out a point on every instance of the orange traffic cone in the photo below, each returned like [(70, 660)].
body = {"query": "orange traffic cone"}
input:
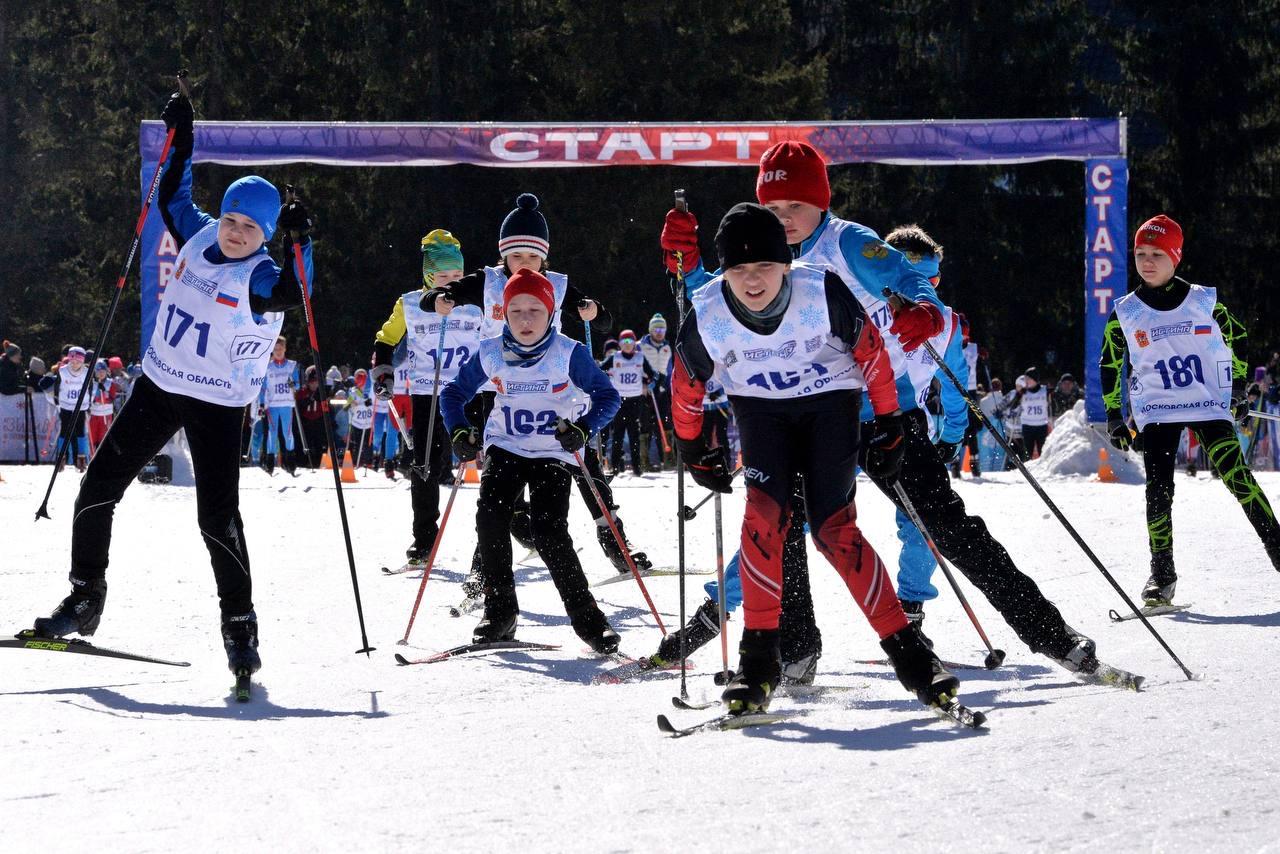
[(964, 466), (348, 470), (470, 474), (325, 462), (1105, 473)]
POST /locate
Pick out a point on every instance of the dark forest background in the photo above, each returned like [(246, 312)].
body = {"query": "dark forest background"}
[(1199, 82)]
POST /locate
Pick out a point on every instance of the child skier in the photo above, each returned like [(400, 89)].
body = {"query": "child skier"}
[(68, 381), (631, 375), (278, 397), (102, 398), (536, 425), (1187, 370), (657, 351), (420, 331), (523, 244), (207, 357), (794, 350)]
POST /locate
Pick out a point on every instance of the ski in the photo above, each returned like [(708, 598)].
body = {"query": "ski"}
[(950, 665), (242, 688), (28, 639), (637, 670), (956, 712), (656, 572), (690, 705), (467, 605), (408, 567), (1148, 611), (1113, 677), (794, 690), (475, 649), (722, 723)]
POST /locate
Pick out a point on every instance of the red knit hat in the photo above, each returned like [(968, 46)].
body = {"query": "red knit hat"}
[(534, 284), (794, 171), (626, 333), (1162, 233)]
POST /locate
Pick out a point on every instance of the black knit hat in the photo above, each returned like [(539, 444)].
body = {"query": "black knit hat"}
[(524, 229), (750, 233)]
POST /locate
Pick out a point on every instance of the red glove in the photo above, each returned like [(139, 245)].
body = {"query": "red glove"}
[(680, 234), (916, 323)]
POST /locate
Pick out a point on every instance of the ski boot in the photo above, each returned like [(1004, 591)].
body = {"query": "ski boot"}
[(268, 462), (82, 463), (1163, 580), (498, 622), (697, 633), (590, 624), (918, 669), (79, 612), (390, 468), (801, 669), (290, 463), (417, 554), (915, 619), (240, 639), (1075, 653), (609, 544), (759, 672), (975, 467)]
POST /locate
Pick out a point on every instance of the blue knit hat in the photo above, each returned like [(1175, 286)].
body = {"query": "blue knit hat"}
[(256, 198), (524, 229)]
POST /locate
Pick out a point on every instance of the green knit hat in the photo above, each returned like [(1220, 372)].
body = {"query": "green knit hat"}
[(440, 251)]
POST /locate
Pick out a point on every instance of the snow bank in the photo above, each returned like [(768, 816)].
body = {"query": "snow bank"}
[(1072, 449)]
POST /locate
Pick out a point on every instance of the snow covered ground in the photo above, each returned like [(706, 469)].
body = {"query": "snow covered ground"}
[(518, 752)]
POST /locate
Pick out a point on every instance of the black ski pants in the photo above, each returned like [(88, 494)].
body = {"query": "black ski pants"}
[(965, 541), (628, 421), (505, 476), (424, 477), (149, 419), (1159, 447)]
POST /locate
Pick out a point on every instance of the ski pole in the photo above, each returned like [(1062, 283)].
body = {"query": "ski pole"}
[(435, 548), (720, 594), (43, 511), (678, 282), (690, 512), (1035, 484), (617, 536), (662, 431), (435, 403), (1265, 416), (302, 434), (328, 430), (995, 657)]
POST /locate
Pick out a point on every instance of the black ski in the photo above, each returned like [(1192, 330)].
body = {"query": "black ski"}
[(656, 572), (634, 671), (1148, 611), (28, 639), (722, 723), (950, 665), (475, 649)]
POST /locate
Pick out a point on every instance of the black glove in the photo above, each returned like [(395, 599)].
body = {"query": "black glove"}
[(947, 451), (466, 443), (885, 448), (180, 117), (428, 302), (1240, 407), (383, 378), (1118, 432), (572, 435), (294, 220), (709, 467)]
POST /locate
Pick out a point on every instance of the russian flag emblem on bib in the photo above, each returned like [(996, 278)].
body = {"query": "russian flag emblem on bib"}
[(227, 300)]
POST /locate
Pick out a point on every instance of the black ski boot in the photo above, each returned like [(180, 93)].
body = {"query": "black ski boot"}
[(701, 628), (417, 554), (918, 669), (609, 544), (240, 639), (1163, 580), (290, 462), (1075, 652), (801, 669), (79, 612), (499, 621), (268, 462), (759, 672), (915, 619), (591, 625)]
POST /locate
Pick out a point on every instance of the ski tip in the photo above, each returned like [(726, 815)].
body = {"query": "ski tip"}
[(454, 612), (665, 725), (400, 659)]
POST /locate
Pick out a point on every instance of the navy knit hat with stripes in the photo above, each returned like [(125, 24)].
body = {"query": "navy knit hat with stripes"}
[(524, 229)]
